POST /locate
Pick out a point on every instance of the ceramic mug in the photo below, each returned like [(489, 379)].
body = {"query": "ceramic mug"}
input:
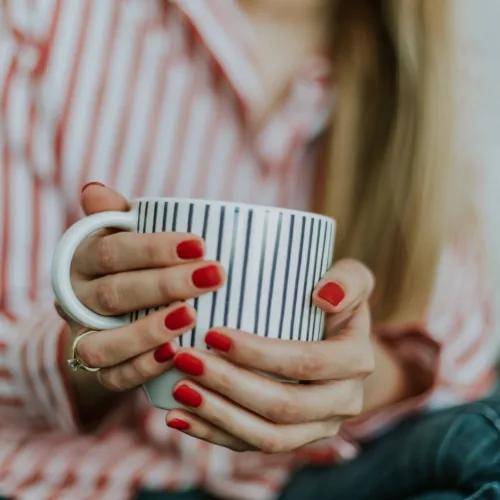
[(273, 258)]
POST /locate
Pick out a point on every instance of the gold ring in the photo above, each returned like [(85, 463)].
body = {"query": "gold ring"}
[(75, 363)]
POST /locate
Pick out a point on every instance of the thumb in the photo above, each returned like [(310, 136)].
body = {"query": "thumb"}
[(96, 197)]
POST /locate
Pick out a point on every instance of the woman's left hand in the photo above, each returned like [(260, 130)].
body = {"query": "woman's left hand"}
[(233, 406)]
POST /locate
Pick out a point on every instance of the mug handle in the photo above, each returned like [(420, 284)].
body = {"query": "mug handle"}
[(61, 264)]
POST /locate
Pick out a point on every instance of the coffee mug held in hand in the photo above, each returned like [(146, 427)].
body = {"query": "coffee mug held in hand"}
[(273, 258)]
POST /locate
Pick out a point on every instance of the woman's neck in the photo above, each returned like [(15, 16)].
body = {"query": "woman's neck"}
[(288, 31), (287, 10)]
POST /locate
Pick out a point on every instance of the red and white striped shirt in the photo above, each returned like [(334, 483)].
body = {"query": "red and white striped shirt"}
[(151, 97)]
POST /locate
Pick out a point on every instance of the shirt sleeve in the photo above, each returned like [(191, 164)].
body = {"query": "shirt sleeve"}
[(451, 356), (33, 390)]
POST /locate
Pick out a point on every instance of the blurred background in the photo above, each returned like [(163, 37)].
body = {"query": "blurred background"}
[(479, 111)]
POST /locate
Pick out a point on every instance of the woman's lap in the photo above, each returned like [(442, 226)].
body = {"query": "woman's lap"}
[(488, 492), (447, 455), (456, 452)]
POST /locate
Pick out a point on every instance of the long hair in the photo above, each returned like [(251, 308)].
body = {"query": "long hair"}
[(390, 179)]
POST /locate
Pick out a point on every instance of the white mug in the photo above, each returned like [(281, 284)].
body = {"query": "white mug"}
[(273, 258)]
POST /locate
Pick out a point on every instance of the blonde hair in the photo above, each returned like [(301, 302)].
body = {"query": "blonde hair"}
[(389, 181)]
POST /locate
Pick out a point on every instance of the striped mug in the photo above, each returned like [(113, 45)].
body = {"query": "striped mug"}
[(273, 258)]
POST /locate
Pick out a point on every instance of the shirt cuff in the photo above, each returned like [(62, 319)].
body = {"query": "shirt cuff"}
[(419, 356)]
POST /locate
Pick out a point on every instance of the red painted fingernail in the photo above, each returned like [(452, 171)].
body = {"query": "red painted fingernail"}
[(207, 277), (85, 186), (164, 353), (178, 424), (191, 249), (187, 396), (178, 319), (218, 341), (189, 364), (333, 293)]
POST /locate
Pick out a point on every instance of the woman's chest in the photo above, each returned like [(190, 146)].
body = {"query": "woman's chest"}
[(129, 99)]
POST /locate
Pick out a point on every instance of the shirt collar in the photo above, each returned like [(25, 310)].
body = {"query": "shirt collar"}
[(221, 26)]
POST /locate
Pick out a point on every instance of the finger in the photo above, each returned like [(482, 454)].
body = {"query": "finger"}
[(354, 325), (111, 347), (125, 292), (282, 403), (138, 370), (119, 252), (188, 423), (248, 427), (343, 287), (97, 198), (341, 357)]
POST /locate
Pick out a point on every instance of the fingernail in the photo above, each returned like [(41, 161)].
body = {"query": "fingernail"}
[(333, 293), (178, 319), (189, 364), (178, 424), (207, 277), (218, 341), (191, 249), (85, 186), (164, 353), (187, 396)]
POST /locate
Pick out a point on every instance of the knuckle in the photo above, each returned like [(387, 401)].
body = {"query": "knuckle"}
[(153, 251), (166, 288), (108, 296), (273, 443), (111, 381), (355, 405), (332, 428), (308, 366), (357, 268), (152, 333), (90, 355), (106, 254), (350, 401), (206, 433), (149, 331), (286, 411), (217, 418), (366, 364), (142, 369), (350, 265), (225, 378)]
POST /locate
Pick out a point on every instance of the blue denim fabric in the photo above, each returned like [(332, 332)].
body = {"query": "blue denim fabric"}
[(447, 455)]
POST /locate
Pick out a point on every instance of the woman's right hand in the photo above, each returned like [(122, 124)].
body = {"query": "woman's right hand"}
[(116, 273)]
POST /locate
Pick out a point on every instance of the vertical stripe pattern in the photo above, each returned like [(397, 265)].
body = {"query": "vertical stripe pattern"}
[(151, 98), (255, 246)]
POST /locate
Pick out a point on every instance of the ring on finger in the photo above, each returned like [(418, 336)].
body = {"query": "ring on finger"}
[(75, 363)]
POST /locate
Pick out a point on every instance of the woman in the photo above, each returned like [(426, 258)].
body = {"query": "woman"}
[(338, 106)]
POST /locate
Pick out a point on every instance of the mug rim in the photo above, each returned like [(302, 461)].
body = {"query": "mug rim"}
[(235, 204)]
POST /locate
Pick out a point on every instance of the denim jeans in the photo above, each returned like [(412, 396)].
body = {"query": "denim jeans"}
[(447, 455), (452, 454)]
